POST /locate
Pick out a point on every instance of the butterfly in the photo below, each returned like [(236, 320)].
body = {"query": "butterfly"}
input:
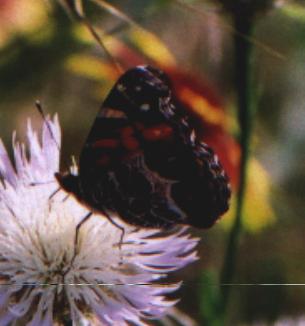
[(143, 162)]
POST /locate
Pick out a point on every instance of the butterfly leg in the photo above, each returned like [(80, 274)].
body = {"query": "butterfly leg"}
[(77, 229), (117, 226), (122, 234), (51, 197), (34, 184), (54, 193), (65, 198)]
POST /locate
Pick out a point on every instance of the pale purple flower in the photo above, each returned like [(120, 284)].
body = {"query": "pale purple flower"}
[(41, 284)]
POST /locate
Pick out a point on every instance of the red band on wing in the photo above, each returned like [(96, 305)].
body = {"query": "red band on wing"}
[(130, 143), (126, 132)]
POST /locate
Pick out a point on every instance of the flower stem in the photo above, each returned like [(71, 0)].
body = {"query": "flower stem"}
[(243, 79)]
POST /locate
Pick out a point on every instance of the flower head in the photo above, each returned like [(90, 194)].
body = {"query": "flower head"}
[(46, 278)]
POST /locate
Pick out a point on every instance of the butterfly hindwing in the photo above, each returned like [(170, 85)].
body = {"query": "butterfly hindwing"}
[(142, 161)]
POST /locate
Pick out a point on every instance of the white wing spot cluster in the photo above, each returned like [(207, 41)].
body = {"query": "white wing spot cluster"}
[(145, 107)]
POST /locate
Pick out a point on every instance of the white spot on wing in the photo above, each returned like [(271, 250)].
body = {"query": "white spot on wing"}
[(193, 136), (145, 107), (121, 88)]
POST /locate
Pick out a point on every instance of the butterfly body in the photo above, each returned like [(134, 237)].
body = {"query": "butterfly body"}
[(143, 162)]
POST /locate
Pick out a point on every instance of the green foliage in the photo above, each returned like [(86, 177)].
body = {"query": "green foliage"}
[(28, 64), (210, 298)]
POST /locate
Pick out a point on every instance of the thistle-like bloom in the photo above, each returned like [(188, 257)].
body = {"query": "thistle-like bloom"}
[(46, 279)]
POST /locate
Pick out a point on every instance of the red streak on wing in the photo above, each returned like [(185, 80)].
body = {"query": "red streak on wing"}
[(106, 143), (158, 132)]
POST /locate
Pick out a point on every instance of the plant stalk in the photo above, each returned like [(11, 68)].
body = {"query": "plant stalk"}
[(243, 84)]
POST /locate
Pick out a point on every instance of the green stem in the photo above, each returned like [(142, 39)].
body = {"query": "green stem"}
[(243, 76)]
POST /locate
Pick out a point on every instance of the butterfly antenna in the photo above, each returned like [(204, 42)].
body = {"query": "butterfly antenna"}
[(99, 40), (75, 9), (45, 120)]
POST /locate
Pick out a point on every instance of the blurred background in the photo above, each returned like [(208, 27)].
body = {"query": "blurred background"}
[(46, 54)]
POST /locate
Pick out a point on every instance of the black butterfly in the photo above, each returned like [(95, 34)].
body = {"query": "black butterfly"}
[(143, 162)]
